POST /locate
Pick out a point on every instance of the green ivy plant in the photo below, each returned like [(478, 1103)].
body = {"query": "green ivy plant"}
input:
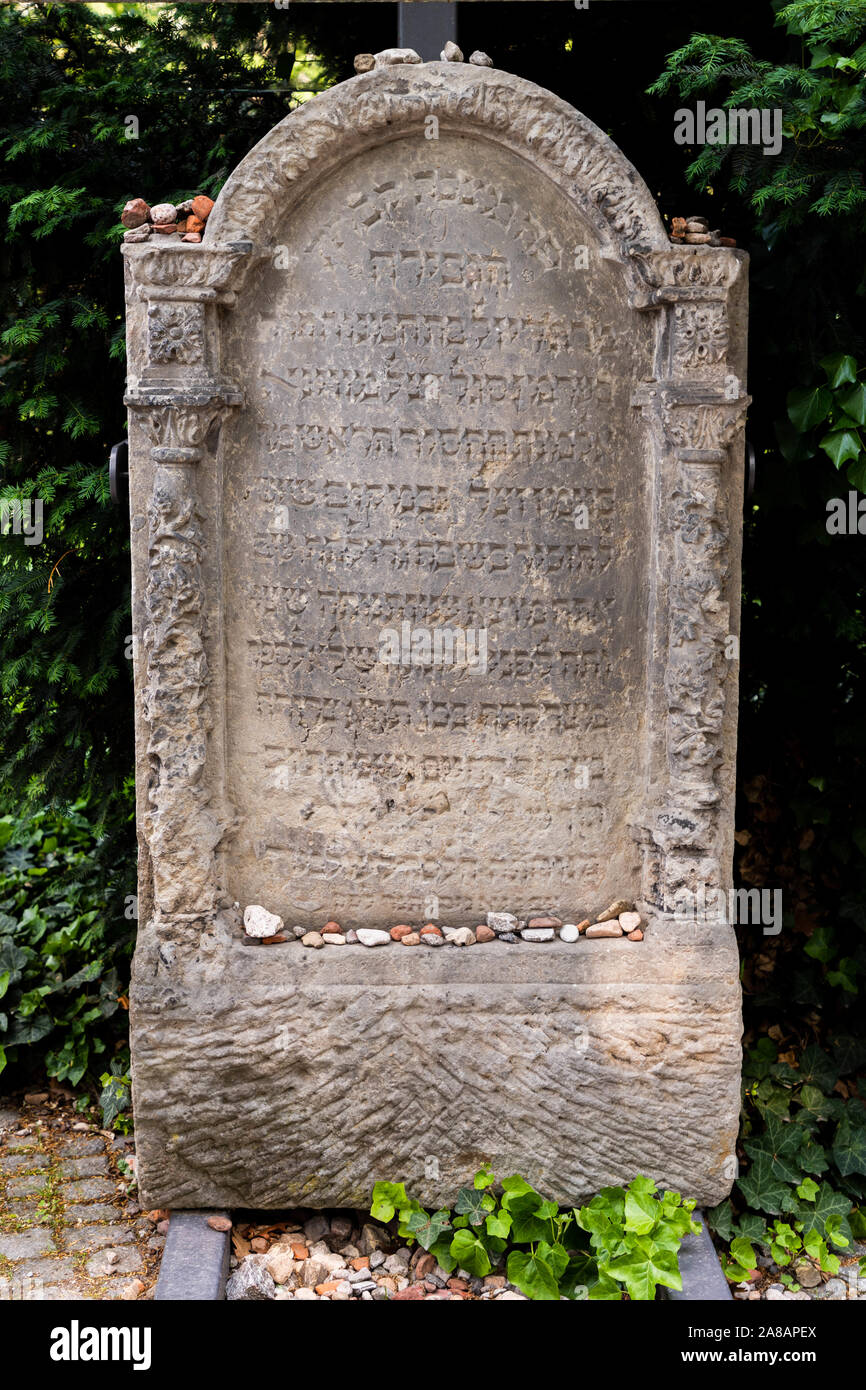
[(624, 1242), (830, 416), (64, 942), (116, 1095), (804, 1151)]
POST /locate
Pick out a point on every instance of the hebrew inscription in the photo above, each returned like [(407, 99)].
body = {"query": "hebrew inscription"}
[(436, 511)]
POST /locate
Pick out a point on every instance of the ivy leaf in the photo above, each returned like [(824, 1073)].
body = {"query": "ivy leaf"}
[(604, 1289), (808, 1190), (762, 1189), (840, 367), (721, 1219), (533, 1276), (442, 1252), (849, 1147), (641, 1212), (556, 1256), (426, 1228), (474, 1204), (854, 403), (845, 975), (816, 1067), (842, 446), (523, 1204), (782, 1144), (470, 1254), (498, 1223), (813, 1157), (828, 1214), (641, 1270), (484, 1178), (821, 944), (743, 1252), (856, 474), (388, 1198), (808, 407), (752, 1227), (814, 1102), (849, 1053)]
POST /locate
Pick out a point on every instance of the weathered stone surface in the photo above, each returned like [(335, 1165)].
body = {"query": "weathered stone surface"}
[(404, 387), (655, 1091)]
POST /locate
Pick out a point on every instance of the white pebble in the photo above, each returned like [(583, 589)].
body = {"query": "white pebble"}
[(259, 922), (368, 937)]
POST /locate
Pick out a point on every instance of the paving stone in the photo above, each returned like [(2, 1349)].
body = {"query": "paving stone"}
[(62, 1293), (90, 1238), (89, 1166), (86, 1189), (50, 1271), (26, 1187), (26, 1245), (90, 1211), (27, 1209), (77, 1148), (8, 1119), (21, 1163), (101, 1264)]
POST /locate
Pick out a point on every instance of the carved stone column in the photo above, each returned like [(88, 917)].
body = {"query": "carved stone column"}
[(696, 411), (178, 399)]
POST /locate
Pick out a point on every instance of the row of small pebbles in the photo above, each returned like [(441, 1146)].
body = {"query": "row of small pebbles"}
[(185, 221), (620, 919), (695, 231), (334, 1260), (395, 57)]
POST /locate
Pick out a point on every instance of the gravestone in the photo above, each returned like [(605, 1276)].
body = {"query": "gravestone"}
[(436, 488)]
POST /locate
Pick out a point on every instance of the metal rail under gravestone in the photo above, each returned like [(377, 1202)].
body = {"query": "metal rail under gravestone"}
[(384, 388)]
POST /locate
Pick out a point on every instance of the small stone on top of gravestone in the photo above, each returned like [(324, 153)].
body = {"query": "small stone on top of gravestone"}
[(138, 233), (630, 921), (480, 60), (621, 905), (370, 937), (163, 213), (569, 932), (538, 934), (462, 936), (135, 213), (259, 922), (501, 921), (604, 929), (391, 57), (364, 62), (451, 53)]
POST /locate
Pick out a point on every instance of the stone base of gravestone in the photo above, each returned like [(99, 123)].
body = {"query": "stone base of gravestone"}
[(269, 1077)]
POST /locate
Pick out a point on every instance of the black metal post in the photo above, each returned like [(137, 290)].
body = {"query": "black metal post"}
[(426, 26)]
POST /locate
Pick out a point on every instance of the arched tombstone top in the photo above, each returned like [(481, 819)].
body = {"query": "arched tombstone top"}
[(391, 103)]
